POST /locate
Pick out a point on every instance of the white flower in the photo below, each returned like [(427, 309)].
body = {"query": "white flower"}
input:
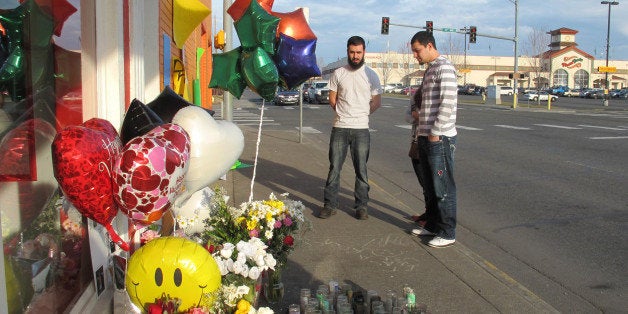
[(229, 264), (259, 260), (268, 234), (264, 310), (238, 268), (227, 250), (242, 290), (254, 272), (270, 261)]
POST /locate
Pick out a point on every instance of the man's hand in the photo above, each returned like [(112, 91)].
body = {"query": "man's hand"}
[(433, 138)]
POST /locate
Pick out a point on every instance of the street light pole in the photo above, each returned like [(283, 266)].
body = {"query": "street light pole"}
[(608, 35)]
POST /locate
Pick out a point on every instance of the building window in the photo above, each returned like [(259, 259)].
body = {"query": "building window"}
[(374, 65), (581, 79), (561, 77)]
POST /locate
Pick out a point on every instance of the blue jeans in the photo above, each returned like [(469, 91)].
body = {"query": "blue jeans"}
[(435, 171), (359, 142)]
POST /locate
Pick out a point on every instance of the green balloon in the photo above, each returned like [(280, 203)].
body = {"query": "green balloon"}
[(226, 73), (12, 66), (260, 72), (256, 28)]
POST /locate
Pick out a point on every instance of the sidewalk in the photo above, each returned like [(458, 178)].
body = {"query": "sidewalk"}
[(376, 254)]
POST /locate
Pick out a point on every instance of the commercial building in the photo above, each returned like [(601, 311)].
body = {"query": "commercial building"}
[(562, 64)]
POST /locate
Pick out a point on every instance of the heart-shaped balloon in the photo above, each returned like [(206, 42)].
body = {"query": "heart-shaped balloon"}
[(82, 158), (149, 172), (215, 147)]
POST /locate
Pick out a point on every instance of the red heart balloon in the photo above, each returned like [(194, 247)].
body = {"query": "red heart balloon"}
[(149, 172), (83, 156)]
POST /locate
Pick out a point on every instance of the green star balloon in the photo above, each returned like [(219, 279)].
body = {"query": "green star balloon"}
[(226, 73), (257, 28), (260, 72)]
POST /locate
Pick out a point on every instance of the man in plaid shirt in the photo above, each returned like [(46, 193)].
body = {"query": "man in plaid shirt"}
[(436, 132)]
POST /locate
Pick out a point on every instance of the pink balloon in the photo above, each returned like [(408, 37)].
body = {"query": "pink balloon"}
[(149, 172)]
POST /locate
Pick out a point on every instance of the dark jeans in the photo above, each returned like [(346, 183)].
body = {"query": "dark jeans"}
[(359, 142), (435, 171)]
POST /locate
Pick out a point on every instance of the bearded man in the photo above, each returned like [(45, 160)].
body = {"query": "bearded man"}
[(355, 93)]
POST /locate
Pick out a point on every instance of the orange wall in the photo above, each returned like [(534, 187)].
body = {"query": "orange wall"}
[(198, 39)]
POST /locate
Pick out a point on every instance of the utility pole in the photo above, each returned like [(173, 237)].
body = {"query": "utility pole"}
[(227, 22)]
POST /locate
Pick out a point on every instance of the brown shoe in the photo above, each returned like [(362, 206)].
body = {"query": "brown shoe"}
[(361, 214), (326, 212)]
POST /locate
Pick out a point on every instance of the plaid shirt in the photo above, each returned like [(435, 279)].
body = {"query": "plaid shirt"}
[(439, 101)]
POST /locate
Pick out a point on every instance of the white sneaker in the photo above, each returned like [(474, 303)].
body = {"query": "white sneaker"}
[(440, 242), (422, 232)]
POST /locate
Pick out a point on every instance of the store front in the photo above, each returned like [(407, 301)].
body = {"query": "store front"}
[(64, 62)]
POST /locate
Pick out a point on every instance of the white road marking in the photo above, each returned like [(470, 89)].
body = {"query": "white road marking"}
[(559, 126), (404, 126), (601, 127), (309, 129), (467, 128), (608, 138), (512, 127)]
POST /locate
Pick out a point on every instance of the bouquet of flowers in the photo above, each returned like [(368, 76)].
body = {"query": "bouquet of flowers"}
[(248, 240)]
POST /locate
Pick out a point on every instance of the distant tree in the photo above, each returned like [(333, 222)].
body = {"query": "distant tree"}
[(535, 48), (407, 63), (387, 68)]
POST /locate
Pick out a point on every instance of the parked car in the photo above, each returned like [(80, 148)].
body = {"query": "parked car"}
[(390, 88), (623, 94), (318, 92), (595, 94), (506, 90), (558, 90), (286, 97), (399, 89), (572, 93), (410, 89), (540, 96), (585, 91)]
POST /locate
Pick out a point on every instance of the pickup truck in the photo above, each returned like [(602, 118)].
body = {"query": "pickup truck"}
[(559, 90)]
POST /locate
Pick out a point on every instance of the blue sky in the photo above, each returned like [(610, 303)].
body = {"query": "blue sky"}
[(335, 21)]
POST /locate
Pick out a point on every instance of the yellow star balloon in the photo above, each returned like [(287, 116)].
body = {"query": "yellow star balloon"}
[(187, 15)]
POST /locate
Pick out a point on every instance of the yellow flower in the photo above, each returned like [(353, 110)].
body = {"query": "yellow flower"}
[(251, 224), (243, 307)]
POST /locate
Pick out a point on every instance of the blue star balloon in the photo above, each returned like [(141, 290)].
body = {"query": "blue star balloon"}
[(295, 60)]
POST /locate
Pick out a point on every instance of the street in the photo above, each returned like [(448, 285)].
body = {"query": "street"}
[(541, 194)]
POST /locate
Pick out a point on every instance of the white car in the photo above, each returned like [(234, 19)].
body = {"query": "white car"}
[(506, 90), (542, 96)]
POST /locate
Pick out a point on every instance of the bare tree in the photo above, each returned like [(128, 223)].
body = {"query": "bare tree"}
[(387, 68), (535, 48), (406, 63), (454, 51)]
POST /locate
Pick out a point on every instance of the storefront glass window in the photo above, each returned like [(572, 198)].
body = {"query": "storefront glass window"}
[(45, 248), (581, 79), (561, 78)]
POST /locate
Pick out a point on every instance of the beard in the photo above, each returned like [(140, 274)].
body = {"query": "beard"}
[(355, 65)]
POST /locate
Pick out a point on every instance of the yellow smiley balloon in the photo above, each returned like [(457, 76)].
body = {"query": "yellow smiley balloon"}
[(177, 267)]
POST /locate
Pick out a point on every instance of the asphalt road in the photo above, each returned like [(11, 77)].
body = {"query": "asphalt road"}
[(543, 195)]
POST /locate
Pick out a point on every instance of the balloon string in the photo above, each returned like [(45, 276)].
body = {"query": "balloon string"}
[(259, 138)]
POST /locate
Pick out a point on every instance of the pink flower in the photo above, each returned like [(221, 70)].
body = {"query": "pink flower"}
[(254, 233), (287, 222), (277, 224)]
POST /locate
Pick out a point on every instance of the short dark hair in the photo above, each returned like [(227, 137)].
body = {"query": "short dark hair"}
[(423, 38), (356, 41)]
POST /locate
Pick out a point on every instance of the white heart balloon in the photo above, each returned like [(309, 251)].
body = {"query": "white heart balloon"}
[(215, 146)]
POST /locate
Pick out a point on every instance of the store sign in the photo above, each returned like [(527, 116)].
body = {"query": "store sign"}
[(572, 62), (607, 69)]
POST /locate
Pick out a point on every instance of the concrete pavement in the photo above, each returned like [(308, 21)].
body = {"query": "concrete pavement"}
[(376, 254)]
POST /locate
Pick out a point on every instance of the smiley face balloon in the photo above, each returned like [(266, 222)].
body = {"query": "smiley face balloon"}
[(178, 267)]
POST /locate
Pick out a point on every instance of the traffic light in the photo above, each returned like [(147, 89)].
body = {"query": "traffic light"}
[(429, 26), (385, 24), (219, 40), (472, 34)]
